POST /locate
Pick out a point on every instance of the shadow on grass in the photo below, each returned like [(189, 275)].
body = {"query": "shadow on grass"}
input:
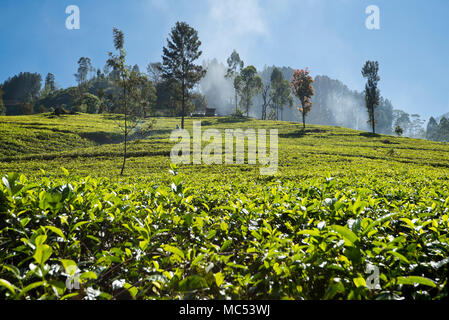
[(300, 133), (369, 135), (386, 141), (232, 119), (60, 116), (113, 116), (100, 137)]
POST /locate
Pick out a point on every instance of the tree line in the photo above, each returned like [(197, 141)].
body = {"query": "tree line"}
[(170, 88)]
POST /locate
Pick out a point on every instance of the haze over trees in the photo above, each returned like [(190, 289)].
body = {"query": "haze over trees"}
[(154, 70), (280, 94), (248, 84), (213, 85), (438, 131), (217, 89), (235, 66)]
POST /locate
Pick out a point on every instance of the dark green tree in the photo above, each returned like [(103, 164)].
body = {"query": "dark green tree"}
[(432, 129), (92, 103), (26, 108), (248, 84), (235, 66), (84, 68), (398, 130), (443, 132), (21, 88), (2, 106), (372, 94), (50, 84), (266, 100), (178, 60), (82, 77)]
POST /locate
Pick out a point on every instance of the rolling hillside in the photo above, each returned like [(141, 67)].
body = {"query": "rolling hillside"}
[(82, 142), (342, 200)]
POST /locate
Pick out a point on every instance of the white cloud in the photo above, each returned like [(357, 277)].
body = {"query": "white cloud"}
[(231, 24)]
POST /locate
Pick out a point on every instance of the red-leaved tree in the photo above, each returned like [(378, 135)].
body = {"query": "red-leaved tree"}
[(301, 84)]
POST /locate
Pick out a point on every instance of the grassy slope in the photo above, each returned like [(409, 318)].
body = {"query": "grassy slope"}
[(87, 144), (374, 177)]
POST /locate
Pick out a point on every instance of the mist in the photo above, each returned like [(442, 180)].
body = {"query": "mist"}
[(347, 111), (219, 91)]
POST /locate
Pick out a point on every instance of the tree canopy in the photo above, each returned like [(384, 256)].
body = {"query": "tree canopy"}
[(248, 84), (178, 60)]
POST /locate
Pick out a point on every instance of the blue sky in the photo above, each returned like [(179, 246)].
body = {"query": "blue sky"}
[(328, 36)]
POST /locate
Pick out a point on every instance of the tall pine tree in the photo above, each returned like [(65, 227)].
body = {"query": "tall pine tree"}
[(372, 95), (178, 60)]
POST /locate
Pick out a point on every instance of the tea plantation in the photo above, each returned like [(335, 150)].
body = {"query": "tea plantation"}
[(349, 215)]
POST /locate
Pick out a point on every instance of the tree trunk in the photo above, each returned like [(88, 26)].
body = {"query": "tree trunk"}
[(124, 155), (373, 123), (126, 130), (183, 104), (236, 105), (303, 121)]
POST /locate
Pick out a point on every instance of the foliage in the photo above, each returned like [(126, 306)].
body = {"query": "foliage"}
[(2, 105), (58, 98), (372, 95), (302, 87), (199, 101), (266, 101), (135, 96), (154, 70), (223, 231), (178, 60), (280, 92), (309, 239), (84, 68), (438, 131), (239, 114), (92, 103), (20, 89), (235, 66), (248, 84), (26, 108), (50, 85)]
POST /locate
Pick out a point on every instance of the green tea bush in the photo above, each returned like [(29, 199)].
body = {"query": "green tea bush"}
[(278, 239)]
